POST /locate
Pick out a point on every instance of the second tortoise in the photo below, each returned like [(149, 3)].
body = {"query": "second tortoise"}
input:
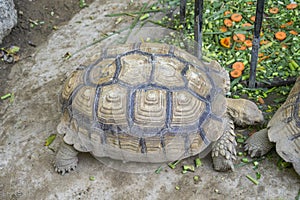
[(283, 130)]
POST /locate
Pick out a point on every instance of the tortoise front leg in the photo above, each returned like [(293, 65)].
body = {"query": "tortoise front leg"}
[(224, 152), (66, 158), (259, 144)]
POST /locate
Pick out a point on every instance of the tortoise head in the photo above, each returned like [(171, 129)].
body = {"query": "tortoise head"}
[(244, 112)]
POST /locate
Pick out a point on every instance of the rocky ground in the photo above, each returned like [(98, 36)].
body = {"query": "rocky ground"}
[(27, 165)]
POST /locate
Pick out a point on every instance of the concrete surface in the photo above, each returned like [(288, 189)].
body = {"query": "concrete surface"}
[(27, 165)]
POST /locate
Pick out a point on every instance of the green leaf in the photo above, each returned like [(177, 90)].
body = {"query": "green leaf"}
[(50, 139), (252, 180), (82, 4), (13, 50)]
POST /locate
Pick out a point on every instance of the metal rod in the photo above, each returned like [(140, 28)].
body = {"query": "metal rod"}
[(255, 42), (182, 12), (198, 19)]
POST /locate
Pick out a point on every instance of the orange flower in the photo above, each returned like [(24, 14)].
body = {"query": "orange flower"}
[(243, 47), (260, 100), (238, 66), (248, 43), (263, 58), (261, 54), (227, 12), (291, 6), (239, 37), (280, 35), (236, 17), (226, 42), (262, 42), (246, 25), (228, 22), (284, 46), (235, 73), (274, 10), (252, 18), (287, 24), (223, 29), (293, 32)]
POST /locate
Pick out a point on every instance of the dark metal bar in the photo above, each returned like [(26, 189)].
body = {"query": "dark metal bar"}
[(275, 82), (255, 43), (182, 12), (198, 19)]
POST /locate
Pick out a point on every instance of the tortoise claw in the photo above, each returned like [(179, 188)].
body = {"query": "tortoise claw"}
[(252, 150), (64, 170)]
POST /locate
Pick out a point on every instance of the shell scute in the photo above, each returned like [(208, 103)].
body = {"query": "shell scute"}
[(198, 81), (102, 72), (167, 72), (135, 69), (187, 109), (83, 101), (112, 106), (150, 108)]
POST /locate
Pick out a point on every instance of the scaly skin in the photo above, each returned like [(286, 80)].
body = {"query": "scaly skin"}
[(66, 159), (258, 144), (223, 152)]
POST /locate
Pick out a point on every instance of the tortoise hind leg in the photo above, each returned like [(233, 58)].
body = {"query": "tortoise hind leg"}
[(66, 158), (224, 152), (258, 144)]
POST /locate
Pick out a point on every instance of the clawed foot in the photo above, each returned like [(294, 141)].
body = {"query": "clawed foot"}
[(66, 159), (253, 150), (258, 144), (65, 166)]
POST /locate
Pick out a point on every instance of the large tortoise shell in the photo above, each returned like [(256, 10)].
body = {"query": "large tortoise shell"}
[(284, 128), (144, 102)]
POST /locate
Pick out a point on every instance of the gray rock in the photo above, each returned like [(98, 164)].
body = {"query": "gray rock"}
[(8, 17)]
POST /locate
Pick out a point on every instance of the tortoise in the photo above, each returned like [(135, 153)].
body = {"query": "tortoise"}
[(283, 130), (150, 103)]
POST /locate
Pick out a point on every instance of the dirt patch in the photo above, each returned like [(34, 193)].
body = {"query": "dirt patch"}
[(37, 19), (27, 165)]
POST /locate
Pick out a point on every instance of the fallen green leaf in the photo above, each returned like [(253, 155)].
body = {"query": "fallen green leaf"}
[(172, 165), (145, 16), (50, 139), (8, 95), (196, 178), (240, 140), (281, 164), (82, 4), (198, 162), (258, 175), (158, 170), (252, 180), (13, 50), (255, 163), (188, 168)]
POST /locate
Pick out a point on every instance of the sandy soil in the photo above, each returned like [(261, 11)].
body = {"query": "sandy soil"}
[(27, 165)]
